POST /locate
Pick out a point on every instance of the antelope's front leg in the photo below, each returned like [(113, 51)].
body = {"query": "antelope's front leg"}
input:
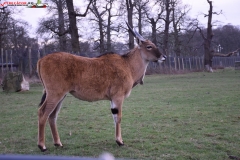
[(116, 108)]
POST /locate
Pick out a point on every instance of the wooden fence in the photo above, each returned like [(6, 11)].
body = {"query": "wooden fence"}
[(10, 63), (194, 63), (27, 64)]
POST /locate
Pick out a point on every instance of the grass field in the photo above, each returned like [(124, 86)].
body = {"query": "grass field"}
[(188, 116)]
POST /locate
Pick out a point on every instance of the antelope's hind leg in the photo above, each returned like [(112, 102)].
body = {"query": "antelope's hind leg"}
[(47, 107), (116, 108), (53, 124)]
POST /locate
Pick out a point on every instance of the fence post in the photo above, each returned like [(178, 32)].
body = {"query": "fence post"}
[(2, 59), (190, 67), (179, 66), (6, 61), (38, 55), (175, 63), (182, 63), (169, 63), (30, 61), (11, 61), (235, 59), (44, 51), (196, 63), (199, 63)]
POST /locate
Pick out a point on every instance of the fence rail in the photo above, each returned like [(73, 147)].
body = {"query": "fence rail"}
[(10, 61)]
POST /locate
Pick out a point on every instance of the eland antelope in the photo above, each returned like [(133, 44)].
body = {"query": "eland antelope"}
[(107, 77)]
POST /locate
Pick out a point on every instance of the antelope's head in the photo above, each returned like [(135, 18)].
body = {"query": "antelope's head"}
[(149, 50)]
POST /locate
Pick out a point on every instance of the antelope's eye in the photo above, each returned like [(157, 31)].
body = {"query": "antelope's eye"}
[(149, 47)]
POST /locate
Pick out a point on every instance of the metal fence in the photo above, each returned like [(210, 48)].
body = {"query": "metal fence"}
[(10, 61)]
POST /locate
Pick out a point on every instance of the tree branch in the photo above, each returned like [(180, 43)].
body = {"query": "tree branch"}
[(201, 33), (226, 55), (53, 30), (85, 13)]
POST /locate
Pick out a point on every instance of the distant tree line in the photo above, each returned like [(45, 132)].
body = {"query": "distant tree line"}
[(94, 27), (15, 39)]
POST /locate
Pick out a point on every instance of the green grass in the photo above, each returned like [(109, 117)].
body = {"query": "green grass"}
[(189, 116)]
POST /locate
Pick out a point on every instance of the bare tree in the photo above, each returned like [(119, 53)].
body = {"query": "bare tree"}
[(4, 16), (226, 38), (190, 38), (167, 19), (110, 28), (99, 19), (154, 28), (129, 7), (55, 23), (17, 32), (141, 7), (178, 16), (17, 41), (208, 51), (73, 24), (154, 19), (61, 25), (208, 39), (103, 15)]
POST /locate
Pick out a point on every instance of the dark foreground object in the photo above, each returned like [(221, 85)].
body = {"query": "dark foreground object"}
[(38, 157)]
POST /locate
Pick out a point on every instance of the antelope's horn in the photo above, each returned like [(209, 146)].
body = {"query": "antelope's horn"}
[(131, 30), (135, 33), (138, 35)]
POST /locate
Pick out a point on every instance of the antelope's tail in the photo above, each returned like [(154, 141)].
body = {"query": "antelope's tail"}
[(39, 74)]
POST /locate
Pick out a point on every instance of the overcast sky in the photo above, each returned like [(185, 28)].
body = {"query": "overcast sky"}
[(230, 11)]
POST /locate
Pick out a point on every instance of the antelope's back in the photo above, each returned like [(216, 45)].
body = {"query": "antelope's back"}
[(106, 74)]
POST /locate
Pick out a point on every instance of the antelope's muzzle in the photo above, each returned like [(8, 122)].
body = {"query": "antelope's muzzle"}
[(162, 59)]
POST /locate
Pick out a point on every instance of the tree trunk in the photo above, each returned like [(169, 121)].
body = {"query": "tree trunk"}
[(73, 27), (154, 21), (99, 19), (30, 61), (207, 42), (154, 31), (62, 38), (130, 14), (100, 23), (166, 29), (139, 10), (109, 47), (176, 37)]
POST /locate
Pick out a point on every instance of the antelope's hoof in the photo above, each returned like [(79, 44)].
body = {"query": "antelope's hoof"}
[(42, 149), (120, 143), (58, 145)]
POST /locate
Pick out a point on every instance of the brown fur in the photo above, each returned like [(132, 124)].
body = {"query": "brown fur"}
[(108, 77)]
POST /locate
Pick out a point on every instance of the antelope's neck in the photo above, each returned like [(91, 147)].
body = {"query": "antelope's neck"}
[(138, 66)]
